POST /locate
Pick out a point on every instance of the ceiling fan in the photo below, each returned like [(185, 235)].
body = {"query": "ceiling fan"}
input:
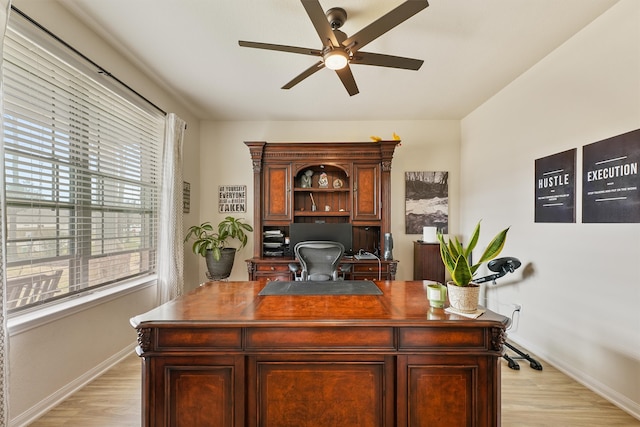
[(339, 51)]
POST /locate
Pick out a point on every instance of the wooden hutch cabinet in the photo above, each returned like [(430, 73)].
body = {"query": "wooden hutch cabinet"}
[(357, 190)]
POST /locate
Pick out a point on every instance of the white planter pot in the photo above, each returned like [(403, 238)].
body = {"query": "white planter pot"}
[(463, 298)]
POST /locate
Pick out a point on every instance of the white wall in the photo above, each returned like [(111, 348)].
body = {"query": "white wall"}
[(426, 146), (48, 360), (580, 293)]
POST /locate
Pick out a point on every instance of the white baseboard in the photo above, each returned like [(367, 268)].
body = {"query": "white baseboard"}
[(56, 398), (621, 401)]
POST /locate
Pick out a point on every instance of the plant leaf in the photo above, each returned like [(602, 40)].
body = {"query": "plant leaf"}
[(473, 241), (445, 254), (495, 246), (455, 247), (462, 273)]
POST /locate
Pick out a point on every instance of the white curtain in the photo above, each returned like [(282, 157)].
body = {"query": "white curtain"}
[(5, 7), (170, 247)]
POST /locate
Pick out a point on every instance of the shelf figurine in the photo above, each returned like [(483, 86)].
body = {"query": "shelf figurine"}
[(305, 181), (323, 181)]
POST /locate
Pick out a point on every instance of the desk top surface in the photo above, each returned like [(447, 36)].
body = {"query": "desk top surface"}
[(229, 304)]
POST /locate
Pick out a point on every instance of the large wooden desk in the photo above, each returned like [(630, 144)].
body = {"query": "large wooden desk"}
[(225, 356)]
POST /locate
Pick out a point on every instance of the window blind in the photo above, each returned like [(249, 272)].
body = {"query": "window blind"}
[(82, 174)]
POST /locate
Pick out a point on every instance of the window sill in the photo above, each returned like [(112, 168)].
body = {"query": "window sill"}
[(23, 322)]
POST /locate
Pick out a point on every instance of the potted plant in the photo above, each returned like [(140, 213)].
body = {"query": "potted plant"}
[(212, 244), (463, 292)]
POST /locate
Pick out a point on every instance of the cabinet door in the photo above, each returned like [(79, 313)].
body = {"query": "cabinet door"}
[(196, 391), (427, 263), (344, 391), (448, 391), (277, 193), (366, 192)]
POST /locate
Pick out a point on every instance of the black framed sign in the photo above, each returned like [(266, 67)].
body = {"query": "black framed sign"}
[(610, 179), (555, 187)]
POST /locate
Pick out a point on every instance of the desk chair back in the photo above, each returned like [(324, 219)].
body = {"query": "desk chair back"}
[(319, 259)]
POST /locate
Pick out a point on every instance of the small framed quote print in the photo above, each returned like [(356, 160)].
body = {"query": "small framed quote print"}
[(232, 198)]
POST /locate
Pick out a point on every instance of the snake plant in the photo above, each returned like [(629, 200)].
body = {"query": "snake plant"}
[(456, 257)]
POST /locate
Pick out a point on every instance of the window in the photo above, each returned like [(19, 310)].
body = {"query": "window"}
[(82, 172)]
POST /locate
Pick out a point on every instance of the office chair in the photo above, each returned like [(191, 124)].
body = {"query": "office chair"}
[(319, 260)]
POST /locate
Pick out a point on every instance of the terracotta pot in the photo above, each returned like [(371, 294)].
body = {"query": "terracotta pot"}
[(463, 298)]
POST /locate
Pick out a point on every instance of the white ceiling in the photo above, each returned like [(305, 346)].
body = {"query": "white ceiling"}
[(471, 49)]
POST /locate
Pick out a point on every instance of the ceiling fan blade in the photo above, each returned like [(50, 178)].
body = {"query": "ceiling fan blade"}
[(380, 60), (320, 22), (383, 24), (346, 76), (281, 48), (306, 73)]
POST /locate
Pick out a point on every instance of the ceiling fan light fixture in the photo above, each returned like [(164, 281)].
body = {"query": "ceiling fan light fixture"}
[(339, 51), (336, 59)]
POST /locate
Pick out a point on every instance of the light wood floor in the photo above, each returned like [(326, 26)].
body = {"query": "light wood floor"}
[(530, 398)]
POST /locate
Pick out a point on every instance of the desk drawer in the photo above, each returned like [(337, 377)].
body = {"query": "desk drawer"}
[(369, 271), (368, 268), (177, 339), (435, 339), (316, 339), (271, 268)]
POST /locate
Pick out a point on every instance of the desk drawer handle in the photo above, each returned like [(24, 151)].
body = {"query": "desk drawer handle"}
[(272, 268)]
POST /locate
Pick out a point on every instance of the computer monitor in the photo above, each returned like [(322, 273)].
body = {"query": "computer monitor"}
[(336, 232)]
